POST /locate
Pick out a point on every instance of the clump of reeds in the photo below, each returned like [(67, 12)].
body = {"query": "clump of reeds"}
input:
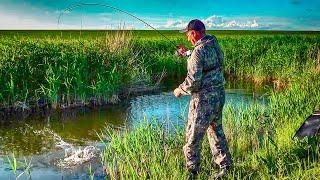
[(259, 137), (19, 169), (65, 71), (118, 40)]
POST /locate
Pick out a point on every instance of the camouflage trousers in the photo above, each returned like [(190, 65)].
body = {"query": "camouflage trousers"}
[(205, 115)]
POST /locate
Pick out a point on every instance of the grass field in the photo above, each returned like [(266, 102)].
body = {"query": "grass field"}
[(70, 68), (74, 68)]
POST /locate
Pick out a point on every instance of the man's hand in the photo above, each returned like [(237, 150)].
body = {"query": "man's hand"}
[(177, 92), (181, 50)]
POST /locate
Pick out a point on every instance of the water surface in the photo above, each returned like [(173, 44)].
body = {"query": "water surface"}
[(43, 140)]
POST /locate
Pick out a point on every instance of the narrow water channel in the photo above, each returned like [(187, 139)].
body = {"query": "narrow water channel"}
[(44, 140)]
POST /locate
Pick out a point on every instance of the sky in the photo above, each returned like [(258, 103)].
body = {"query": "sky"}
[(161, 14)]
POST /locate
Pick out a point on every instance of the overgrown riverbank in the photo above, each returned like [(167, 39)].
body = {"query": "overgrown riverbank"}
[(51, 73), (260, 141), (61, 72)]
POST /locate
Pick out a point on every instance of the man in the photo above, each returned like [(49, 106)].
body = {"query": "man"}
[(205, 84)]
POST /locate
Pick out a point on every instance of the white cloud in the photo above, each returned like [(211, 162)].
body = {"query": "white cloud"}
[(239, 25), (13, 21), (217, 22), (214, 21), (256, 22), (49, 20), (20, 22), (175, 24)]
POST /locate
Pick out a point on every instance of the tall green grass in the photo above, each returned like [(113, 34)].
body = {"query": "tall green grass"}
[(19, 168), (81, 69), (260, 137), (260, 140), (65, 72)]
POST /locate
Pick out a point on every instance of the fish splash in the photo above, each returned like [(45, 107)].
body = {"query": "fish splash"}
[(79, 156), (73, 156)]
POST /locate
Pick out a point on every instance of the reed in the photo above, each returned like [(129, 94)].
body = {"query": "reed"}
[(19, 168), (259, 136), (66, 70)]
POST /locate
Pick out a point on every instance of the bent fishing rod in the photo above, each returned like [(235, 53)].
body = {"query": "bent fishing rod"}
[(70, 8)]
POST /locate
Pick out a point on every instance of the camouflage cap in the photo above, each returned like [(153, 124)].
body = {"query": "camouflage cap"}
[(194, 24)]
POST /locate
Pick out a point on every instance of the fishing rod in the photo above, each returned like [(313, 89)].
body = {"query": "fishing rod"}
[(70, 8)]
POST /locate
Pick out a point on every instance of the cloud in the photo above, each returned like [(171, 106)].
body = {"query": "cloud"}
[(48, 19), (12, 21), (217, 22), (176, 24), (220, 22), (15, 21), (249, 23)]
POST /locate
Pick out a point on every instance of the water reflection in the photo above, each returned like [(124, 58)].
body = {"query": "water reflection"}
[(165, 107)]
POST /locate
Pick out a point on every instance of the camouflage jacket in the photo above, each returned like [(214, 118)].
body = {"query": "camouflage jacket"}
[(205, 66)]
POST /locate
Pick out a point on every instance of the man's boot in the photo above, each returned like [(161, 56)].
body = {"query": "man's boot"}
[(192, 175), (222, 172)]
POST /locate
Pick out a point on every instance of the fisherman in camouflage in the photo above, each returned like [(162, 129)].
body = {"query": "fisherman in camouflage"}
[(205, 84)]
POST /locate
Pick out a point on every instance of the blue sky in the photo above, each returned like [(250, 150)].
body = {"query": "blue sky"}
[(164, 14)]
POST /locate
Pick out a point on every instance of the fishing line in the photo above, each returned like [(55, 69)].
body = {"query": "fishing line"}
[(70, 8)]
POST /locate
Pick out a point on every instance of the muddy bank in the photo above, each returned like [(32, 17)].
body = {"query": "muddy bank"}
[(42, 107)]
